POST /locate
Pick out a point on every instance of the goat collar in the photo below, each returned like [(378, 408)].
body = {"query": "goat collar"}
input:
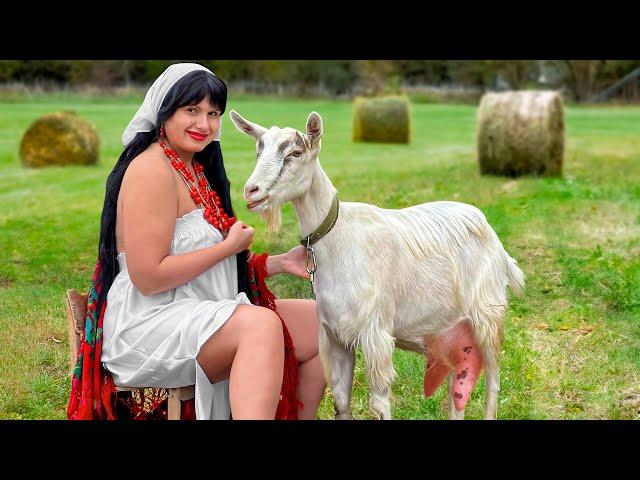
[(325, 227)]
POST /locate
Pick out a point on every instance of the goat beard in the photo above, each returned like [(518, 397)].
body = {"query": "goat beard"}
[(272, 215)]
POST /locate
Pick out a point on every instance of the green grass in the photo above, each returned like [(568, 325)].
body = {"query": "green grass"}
[(572, 343)]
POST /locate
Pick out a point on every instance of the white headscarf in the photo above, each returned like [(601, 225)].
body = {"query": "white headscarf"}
[(146, 117)]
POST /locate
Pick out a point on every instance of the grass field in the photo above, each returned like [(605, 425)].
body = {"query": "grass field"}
[(572, 343)]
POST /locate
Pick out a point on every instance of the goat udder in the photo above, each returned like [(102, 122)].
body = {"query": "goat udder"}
[(453, 351)]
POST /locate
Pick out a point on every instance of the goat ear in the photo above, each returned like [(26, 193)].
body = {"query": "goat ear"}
[(245, 126), (314, 128)]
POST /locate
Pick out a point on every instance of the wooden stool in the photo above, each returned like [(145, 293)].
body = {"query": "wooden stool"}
[(76, 311)]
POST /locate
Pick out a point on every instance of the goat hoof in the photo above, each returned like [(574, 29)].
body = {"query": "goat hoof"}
[(381, 415)]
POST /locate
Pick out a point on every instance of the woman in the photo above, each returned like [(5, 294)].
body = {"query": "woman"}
[(174, 267)]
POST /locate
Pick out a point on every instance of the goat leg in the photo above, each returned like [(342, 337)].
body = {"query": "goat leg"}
[(378, 353), (338, 362)]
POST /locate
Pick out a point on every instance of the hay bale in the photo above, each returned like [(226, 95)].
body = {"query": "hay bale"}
[(382, 119), (520, 133), (60, 138)]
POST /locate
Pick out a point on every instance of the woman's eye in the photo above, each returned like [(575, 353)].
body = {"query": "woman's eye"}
[(214, 114)]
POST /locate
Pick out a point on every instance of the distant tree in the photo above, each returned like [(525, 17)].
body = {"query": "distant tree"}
[(303, 74), (267, 70), (432, 72), (229, 70), (44, 71), (80, 72), (613, 70), (153, 68), (579, 76), (9, 70), (375, 74), (136, 71), (517, 73), (338, 76), (475, 73)]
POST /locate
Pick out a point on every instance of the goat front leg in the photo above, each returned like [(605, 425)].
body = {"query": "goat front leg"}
[(378, 352), (338, 362)]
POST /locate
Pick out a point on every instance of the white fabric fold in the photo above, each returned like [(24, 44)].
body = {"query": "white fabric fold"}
[(154, 340)]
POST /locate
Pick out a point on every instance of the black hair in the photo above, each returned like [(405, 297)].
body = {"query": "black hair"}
[(189, 90)]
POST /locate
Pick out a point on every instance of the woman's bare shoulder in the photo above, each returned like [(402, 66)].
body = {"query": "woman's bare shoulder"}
[(150, 166)]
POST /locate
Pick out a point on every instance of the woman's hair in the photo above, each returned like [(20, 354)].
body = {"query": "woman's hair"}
[(189, 90)]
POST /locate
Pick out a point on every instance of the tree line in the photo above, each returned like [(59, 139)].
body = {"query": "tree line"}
[(581, 79)]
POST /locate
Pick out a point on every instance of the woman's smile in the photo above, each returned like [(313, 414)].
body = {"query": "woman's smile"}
[(196, 136)]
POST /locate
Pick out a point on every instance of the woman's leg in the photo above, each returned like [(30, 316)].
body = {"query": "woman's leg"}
[(302, 322), (248, 350)]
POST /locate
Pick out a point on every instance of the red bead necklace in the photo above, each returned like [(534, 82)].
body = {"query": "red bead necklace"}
[(201, 193)]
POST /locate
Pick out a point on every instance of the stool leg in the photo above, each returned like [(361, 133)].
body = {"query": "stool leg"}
[(173, 408)]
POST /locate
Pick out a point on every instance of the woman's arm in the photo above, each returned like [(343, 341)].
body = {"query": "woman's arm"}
[(274, 265), (150, 198), (293, 262)]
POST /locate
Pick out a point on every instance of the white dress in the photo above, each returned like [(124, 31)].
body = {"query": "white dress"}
[(154, 340)]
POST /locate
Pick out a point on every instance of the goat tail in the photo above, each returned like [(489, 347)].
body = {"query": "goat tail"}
[(515, 277)]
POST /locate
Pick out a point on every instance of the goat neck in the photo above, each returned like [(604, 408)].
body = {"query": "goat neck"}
[(313, 206)]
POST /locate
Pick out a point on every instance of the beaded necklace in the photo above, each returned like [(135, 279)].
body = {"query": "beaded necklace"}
[(201, 193)]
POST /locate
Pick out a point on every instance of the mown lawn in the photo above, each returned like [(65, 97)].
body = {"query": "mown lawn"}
[(572, 343)]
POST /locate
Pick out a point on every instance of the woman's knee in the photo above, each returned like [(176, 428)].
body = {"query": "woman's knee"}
[(259, 324), (248, 328), (302, 322)]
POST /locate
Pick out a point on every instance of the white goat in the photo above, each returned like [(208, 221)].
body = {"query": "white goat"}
[(430, 278)]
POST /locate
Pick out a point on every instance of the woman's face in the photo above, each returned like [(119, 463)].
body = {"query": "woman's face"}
[(192, 127)]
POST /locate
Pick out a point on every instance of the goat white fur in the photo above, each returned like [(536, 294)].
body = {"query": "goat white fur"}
[(385, 277)]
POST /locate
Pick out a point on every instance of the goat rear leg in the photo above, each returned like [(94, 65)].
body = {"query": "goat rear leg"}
[(492, 389), (338, 363), (490, 335)]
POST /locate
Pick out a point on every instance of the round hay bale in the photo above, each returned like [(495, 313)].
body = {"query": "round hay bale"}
[(382, 119), (521, 133), (60, 138)]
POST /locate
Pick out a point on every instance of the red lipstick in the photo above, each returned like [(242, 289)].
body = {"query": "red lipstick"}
[(196, 136)]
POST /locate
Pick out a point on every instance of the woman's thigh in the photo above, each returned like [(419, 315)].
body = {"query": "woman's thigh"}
[(302, 322), (217, 353)]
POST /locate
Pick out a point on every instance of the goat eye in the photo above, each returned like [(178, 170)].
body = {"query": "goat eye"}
[(296, 153)]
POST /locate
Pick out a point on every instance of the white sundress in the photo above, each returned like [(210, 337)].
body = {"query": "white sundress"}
[(154, 340)]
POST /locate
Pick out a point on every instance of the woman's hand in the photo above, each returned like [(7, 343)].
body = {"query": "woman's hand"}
[(239, 238), (294, 262)]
